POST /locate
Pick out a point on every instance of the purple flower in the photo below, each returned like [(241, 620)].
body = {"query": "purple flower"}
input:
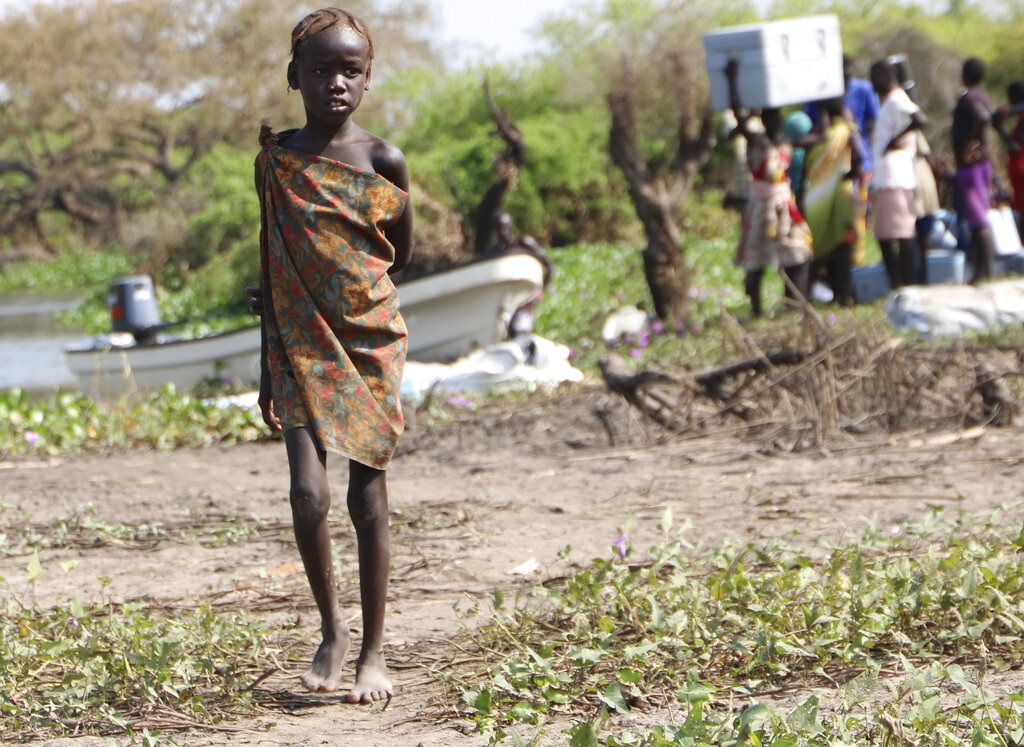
[(635, 352), (458, 401), (643, 340), (621, 296), (31, 437), (695, 328), (657, 327), (621, 545), (830, 318)]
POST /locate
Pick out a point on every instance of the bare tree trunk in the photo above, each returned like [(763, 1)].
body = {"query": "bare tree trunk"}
[(658, 195), (507, 163)]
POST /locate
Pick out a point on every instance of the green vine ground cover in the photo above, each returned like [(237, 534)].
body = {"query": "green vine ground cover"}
[(902, 630), (71, 422), (889, 640), (137, 668)]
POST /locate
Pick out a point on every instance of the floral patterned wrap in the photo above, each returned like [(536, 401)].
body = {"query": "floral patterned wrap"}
[(335, 340)]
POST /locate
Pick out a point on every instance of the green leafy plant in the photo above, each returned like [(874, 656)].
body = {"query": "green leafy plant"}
[(936, 603), (106, 668), (72, 422), (70, 271)]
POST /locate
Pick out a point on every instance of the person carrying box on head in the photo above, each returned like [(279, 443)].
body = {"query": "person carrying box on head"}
[(773, 230)]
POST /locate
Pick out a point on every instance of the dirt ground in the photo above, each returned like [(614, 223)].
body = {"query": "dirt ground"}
[(477, 503)]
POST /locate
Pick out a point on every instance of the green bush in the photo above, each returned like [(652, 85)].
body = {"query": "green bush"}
[(73, 270), (567, 190)]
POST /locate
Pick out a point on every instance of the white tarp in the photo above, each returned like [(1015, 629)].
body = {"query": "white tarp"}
[(951, 310), (528, 362)]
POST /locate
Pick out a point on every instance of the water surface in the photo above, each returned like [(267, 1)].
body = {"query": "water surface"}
[(32, 341)]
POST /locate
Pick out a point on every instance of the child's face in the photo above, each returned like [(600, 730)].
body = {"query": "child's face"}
[(331, 73)]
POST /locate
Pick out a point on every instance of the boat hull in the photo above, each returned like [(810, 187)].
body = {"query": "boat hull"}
[(448, 314)]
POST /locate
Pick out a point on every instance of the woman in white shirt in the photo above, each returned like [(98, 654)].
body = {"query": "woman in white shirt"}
[(893, 151)]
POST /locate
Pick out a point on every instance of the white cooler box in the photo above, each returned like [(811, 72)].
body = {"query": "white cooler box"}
[(780, 62)]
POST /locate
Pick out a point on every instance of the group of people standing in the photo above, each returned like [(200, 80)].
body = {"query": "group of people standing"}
[(815, 173)]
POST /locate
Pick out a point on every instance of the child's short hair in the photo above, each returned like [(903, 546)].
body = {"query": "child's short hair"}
[(327, 18), (1015, 92), (973, 72)]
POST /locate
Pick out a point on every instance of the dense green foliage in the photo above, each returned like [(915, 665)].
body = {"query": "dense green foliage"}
[(201, 248), (72, 270), (934, 607), (594, 281), (68, 423), (567, 191)]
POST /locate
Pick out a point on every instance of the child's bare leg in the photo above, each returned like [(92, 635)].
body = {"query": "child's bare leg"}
[(368, 507), (311, 501)]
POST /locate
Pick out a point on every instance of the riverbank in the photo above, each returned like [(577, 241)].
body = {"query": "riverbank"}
[(483, 502)]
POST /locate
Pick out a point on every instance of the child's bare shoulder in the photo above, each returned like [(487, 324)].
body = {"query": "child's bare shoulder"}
[(389, 162)]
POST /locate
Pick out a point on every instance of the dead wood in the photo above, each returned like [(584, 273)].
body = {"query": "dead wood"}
[(507, 163), (799, 397), (634, 388), (714, 376), (998, 406)]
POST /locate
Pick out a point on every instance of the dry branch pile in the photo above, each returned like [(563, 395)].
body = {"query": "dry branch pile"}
[(806, 391)]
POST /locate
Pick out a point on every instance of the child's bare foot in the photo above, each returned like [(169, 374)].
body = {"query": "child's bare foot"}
[(372, 684), (324, 675)]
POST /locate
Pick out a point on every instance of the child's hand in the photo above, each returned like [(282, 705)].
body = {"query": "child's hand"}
[(255, 300), (266, 403)]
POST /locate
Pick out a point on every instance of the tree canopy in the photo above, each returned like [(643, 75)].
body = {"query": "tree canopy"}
[(131, 93)]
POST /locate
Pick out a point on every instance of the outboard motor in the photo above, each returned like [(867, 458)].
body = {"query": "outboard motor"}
[(132, 305)]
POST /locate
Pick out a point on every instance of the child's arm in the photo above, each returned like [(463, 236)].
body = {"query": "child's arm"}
[(742, 115), (999, 123), (856, 153), (390, 163), (258, 302)]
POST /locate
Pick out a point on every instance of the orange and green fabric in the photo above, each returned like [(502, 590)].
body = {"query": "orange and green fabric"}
[(336, 342), (831, 206)]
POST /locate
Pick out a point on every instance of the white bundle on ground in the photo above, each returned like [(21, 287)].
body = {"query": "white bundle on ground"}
[(528, 362), (951, 310)]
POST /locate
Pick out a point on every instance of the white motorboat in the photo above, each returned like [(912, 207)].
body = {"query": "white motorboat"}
[(449, 314)]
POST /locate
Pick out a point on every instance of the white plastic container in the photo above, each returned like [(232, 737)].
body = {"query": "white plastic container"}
[(945, 266), (869, 283), (784, 62)]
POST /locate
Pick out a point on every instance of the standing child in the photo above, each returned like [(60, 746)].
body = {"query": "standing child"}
[(336, 222), (773, 232)]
